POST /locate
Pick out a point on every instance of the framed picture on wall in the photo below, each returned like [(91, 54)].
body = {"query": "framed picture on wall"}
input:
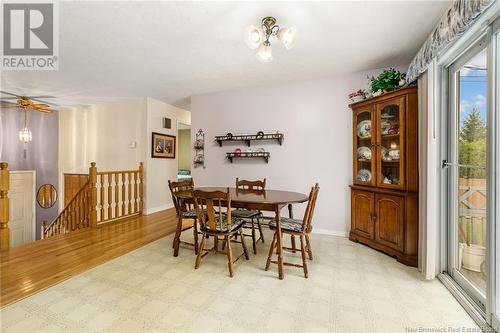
[(162, 146)]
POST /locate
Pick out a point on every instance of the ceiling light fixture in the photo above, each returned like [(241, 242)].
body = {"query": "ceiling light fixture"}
[(258, 38), (25, 135)]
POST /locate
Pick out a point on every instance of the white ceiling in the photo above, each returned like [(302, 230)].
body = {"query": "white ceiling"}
[(172, 50)]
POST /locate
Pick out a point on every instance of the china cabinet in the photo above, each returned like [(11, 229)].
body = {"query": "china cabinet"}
[(384, 192)]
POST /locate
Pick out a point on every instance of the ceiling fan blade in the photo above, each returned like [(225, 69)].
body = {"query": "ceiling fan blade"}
[(9, 98), (8, 93), (44, 110), (41, 96), (7, 105), (42, 106), (44, 102)]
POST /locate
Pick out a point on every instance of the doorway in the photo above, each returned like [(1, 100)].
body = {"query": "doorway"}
[(184, 151), (22, 207)]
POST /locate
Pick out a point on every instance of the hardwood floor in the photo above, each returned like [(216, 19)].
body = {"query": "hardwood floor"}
[(29, 268)]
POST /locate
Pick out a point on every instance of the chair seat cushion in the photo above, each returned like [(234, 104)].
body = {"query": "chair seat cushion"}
[(287, 224), (245, 213), (190, 214), (236, 223)]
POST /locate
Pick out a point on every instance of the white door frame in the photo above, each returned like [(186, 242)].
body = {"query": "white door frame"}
[(482, 27)]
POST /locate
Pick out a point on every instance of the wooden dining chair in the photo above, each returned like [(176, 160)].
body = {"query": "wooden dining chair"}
[(219, 223), (299, 228), (184, 211), (251, 216)]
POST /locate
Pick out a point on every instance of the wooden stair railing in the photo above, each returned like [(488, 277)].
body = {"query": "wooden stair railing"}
[(75, 216), (119, 194), (106, 196), (4, 206)]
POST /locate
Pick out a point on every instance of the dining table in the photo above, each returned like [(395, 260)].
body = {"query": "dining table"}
[(263, 200)]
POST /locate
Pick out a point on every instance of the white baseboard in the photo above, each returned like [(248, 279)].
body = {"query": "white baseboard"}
[(158, 209), (330, 232)]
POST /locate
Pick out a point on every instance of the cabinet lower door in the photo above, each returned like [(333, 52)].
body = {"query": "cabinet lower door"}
[(362, 204), (389, 222)]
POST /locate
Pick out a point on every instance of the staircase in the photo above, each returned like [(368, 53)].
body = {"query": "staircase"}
[(107, 196)]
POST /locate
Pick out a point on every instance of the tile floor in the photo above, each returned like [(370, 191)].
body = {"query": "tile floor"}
[(351, 288)]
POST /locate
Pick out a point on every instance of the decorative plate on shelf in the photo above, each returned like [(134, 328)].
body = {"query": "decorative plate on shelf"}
[(364, 153), (385, 154), (365, 129), (357, 98), (364, 175), (385, 125)]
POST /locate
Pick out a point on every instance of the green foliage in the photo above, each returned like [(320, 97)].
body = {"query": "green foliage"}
[(472, 146), (387, 80), (473, 128), (472, 153)]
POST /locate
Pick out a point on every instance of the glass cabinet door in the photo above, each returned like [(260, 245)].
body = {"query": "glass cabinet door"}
[(364, 143), (390, 143)]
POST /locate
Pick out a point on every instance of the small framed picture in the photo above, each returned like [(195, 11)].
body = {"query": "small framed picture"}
[(162, 146)]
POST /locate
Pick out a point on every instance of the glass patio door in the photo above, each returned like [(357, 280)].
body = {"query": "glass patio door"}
[(467, 176)]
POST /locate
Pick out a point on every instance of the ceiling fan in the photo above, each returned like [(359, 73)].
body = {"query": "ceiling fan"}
[(26, 102)]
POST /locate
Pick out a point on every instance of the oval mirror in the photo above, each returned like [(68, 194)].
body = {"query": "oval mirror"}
[(46, 195)]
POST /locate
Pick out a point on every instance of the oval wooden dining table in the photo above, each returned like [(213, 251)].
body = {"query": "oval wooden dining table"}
[(266, 200)]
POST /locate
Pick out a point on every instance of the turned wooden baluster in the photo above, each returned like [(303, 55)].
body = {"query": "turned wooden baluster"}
[(136, 196), (141, 187), (110, 195), (4, 206), (129, 193), (93, 194), (123, 194), (101, 190), (117, 196)]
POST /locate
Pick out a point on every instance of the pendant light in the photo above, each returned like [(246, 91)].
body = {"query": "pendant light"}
[(25, 135)]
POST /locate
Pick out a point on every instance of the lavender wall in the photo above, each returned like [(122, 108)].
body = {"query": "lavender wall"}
[(317, 123), (41, 152)]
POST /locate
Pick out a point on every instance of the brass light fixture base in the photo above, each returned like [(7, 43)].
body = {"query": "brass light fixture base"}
[(269, 26), (269, 22)]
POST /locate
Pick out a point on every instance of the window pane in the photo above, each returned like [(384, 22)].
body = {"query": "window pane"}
[(472, 157)]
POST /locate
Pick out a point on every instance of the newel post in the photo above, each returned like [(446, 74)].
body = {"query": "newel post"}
[(4, 206), (93, 194), (141, 187)]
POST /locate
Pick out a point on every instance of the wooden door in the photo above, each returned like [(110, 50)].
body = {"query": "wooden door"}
[(73, 182), (390, 133), (389, 220), (362, 204), (364, 150), (21, 208)]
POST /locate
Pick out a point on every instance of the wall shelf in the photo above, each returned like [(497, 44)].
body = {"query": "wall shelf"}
[(249, 138), (264, 155)]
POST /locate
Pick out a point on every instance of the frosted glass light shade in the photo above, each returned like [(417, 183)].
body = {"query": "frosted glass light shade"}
[(287, 37), (253, 37), (25, 135), (265, 53)]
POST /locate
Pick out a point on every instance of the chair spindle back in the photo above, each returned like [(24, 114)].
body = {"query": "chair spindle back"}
[(215, 203), (181, 187), (311, 204), (256, 185)]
